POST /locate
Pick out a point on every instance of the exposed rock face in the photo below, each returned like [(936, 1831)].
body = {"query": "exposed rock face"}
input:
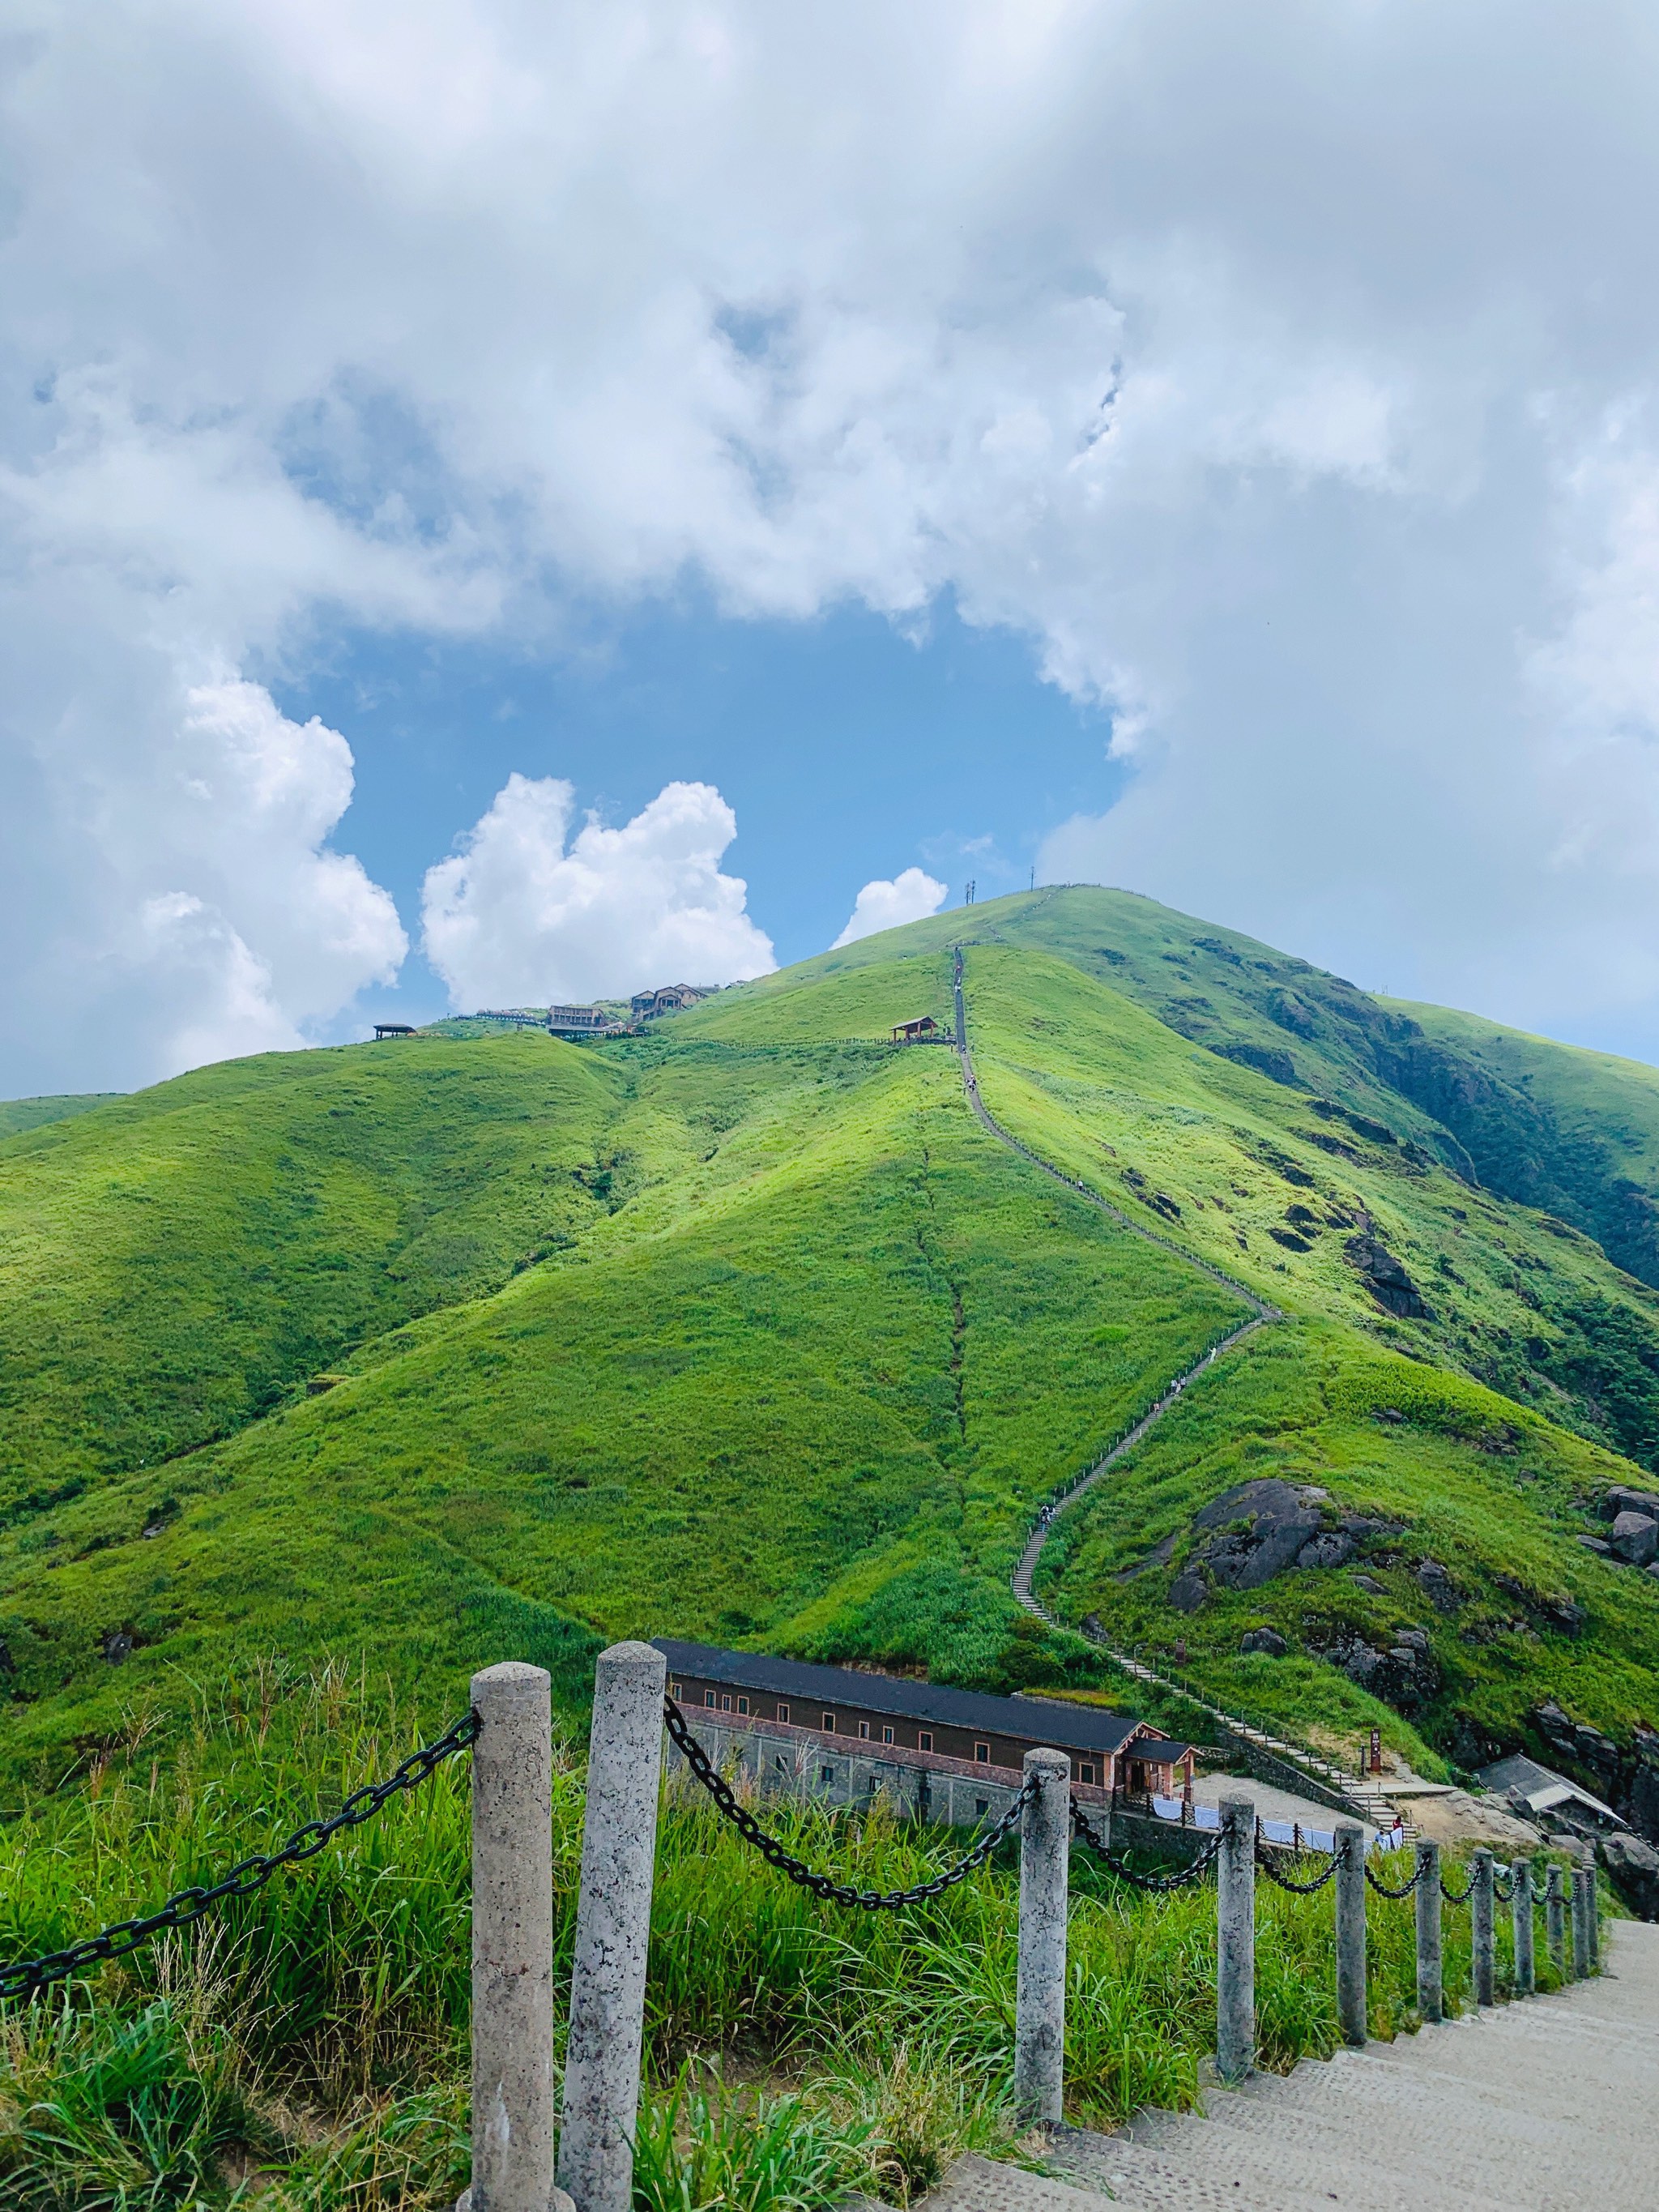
[(1561, 1613), (1279, 1521), (1635, 1537), (1266, 1059), (1437, 1586), (1404, 1676), (1188, 1591), (1268, 1640), (1386, 1279), (1633, 1864), (1332, 1548)]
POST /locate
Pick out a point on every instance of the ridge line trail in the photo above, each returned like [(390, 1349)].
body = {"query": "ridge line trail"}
[(1263, 1312)]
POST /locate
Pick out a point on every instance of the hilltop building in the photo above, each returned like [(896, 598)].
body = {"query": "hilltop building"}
[(920, 1031), (645, 1005), (944, 1755), (582, 1021)]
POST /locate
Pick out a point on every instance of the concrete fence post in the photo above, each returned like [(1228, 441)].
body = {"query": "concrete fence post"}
[(1483, 1934), (613, 1930), (1526, 1975), (1555, 1916), (1045, 1834), (1583, 1918), (512, 1941), (1430, 1994), (1235, 2023), (1593, 1917), (1351, 1931)]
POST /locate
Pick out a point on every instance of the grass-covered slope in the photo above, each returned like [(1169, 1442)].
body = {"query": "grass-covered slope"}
[(849, 1338), (19, 1115), (745, 1329)]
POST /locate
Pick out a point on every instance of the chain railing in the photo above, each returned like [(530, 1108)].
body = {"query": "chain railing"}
[(1393, 1890), (1458, 1896), (1157, 1883), (24, 1976), (823, 1886), (1264, 1860)]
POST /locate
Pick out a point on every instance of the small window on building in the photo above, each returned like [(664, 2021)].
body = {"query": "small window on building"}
[(1085, 1772), (983, 1754), (725, 1704), (864, 1731), (827, 1775), (708, 1699), (925, 1740), (981, 1805), (743, 1704), (887, 1735), (781, 1764), (783, 1712), (828, 1724), (676, 1689)]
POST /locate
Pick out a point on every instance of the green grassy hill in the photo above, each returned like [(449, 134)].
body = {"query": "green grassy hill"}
[(745, 1329), (17, 1114)]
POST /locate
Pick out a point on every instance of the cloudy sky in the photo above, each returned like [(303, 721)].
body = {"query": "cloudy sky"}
[(515, 499)]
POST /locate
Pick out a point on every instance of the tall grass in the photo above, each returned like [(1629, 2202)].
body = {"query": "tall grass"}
[(312, 2039)]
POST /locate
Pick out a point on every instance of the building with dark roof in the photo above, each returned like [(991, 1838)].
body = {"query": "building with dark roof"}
[(847, 1706)]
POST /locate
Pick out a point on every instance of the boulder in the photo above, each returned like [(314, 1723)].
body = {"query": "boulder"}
[(1405, 1676), (1332, 1548), (1268, 1640), (1437, 1586), (1276, 1521), (1633, 1867), (1188, 1591), (1635, 1537), (1368, 1583), (1594, 1544), (1617, 1499)]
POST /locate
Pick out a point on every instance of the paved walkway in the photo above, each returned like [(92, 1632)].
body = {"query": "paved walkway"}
[(1547, 2105)]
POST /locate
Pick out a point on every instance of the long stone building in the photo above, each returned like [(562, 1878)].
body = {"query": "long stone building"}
[(944, 1755)]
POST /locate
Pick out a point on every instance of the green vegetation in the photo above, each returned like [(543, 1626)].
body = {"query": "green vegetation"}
[(314, 2037), (18, 1114), (743, 1327)]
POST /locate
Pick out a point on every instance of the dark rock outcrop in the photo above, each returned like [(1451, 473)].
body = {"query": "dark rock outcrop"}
[(1635, 1537), (1332, 1548), (1437, 1586), (1386, 1279), (1404, 1676), (1188, 1591), (1617, 1499), (1560, 1613), (1266, 1641), (1277, 1522), (1632, 1864)]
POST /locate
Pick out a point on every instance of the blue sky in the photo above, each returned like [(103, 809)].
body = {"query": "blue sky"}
[(423, 430), (848, 750)]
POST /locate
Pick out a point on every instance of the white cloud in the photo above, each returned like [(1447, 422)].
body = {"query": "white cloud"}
[(517, 917), (882, 905), (1246, 358)]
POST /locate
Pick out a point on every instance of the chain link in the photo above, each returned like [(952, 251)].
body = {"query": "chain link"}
[(1504, 1896), (1155, 1882), (186, 1905), (1458, 1896), (1264, 1860), (821, 1884), (1385, 1889)]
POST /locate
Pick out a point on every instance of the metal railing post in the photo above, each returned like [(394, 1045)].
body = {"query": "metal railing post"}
[(1526, 1974), (1235, 2030), (1555, 1918), (1430, 1992), (512, 1940), (1045, 1833), (1482, 1934), (613, 1929), (1351, 1931)]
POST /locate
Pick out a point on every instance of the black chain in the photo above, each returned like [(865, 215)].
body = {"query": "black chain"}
[(24, 1978), (821, 1884), (1194, 1872), (1458, 1896), (1504, 1896), (1383, 1889), (1264, 1860)]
